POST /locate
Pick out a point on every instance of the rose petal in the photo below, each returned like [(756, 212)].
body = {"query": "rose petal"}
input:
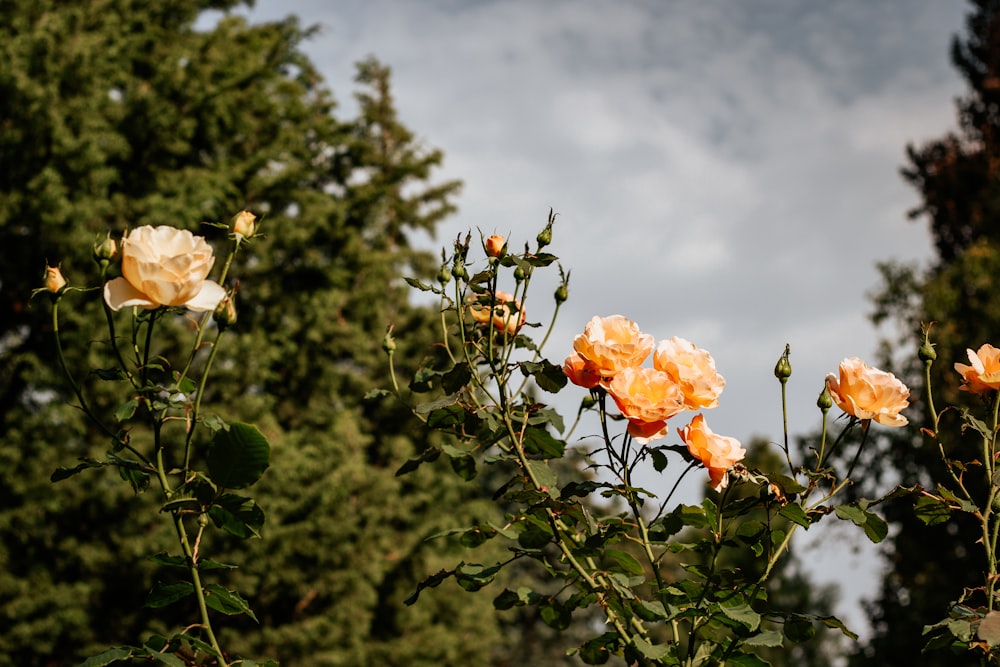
[(208, 298), (119, 293)]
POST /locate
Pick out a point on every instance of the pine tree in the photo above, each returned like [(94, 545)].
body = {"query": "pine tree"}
[(120, 114), (958, 179)]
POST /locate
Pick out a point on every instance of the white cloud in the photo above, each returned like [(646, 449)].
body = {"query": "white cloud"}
[(726, 172)]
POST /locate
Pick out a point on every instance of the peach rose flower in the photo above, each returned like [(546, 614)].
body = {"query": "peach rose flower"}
[(984, 373), (868, 393), (581, 372), (164, 266), (612, 344), (693, 369), (494, 245), (647, 398), (718, 453), (502, 317)]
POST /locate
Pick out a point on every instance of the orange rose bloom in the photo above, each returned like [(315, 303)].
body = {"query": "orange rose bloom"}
[(693, 369), (502, 317), (718, 453), (984, 373), (647, 398), (494, 245), (612, 344), (868, 393), (581, 372)]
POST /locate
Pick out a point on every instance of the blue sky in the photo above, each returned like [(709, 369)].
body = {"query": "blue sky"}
[(726, 172)]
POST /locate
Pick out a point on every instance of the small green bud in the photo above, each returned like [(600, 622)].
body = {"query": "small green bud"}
[(825, 401), (562, 293), (105, 250), (225, 313), (459, 272), (444, 275), (783, 369), (388, 342), (927, 353), (519, 273), (545, 236)]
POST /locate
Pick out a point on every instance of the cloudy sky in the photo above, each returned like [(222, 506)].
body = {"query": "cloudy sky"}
[(726, 172)]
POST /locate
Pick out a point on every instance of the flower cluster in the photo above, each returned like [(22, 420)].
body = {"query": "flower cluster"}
[(609, 355), (505, 312)]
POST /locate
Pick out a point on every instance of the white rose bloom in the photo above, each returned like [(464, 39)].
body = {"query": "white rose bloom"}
[(164, 266)]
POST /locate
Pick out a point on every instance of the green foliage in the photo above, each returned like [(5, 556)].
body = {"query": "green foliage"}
[(122, 114)]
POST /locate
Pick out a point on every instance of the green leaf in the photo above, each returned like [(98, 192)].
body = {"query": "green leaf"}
[(539, 443), (767, 638), (544, 476), (237, 515), (417, 284), (473, 576), (167, 560), (165, 594), (455, 380), (112, 374), (555, 615), (620, 561), (547, 375), (742, 613), (836, 623), (799, 630), (227, 602), (599, 650), (659, 459), (125, 411), (649, 650), (874, 526), (931, 510), (238, 456), (796, 514), (747, 660), (65, 473), (446, 417), (432, 581), (108, 657)]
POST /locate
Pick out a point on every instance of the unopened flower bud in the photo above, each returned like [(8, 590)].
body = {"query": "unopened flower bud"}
[(562, 293), (105, 250), (54, 281), (444, 275), (783, 369), (825, 401), (927, 353), (496, 246), (459, 272), (519, 273), (544, 237), (244, 225), (225, 313), (388, 342)]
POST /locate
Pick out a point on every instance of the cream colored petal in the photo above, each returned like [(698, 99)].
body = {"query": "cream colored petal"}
[(208, 298), (119, 293)]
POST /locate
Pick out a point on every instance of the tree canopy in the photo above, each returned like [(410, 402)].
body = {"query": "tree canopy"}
[(118, 114)]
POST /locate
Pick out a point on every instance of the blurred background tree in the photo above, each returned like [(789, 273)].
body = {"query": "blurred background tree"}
[(958, 180), (123, 113)]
